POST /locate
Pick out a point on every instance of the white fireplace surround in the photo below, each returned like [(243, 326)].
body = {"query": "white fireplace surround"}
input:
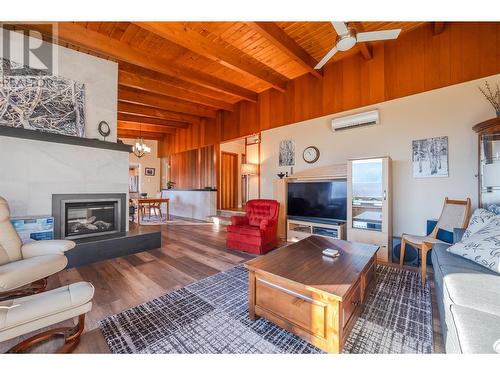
[(33, 170)]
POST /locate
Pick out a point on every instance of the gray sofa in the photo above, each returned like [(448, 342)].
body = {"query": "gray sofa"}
[(468, 298)]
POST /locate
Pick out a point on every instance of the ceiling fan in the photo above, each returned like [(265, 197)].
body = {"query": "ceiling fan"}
[(347, 37)]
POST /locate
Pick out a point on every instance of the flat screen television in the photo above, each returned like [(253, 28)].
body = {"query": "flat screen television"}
[(318, 200)]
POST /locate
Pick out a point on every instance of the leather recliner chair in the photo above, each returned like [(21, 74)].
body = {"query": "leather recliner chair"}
[(33, 262)]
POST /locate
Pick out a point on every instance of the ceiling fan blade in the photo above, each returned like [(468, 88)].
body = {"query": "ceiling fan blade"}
[(340, 28), (371, 36), (327, 57)]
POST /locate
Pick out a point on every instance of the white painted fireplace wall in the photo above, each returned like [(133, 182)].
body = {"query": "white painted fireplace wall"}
[(31, 171)]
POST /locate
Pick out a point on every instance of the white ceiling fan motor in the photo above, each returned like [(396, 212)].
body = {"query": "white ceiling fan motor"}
[(346, 41)]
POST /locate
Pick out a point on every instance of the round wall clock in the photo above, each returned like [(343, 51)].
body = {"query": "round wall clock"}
[(311, 154), (104, 129)]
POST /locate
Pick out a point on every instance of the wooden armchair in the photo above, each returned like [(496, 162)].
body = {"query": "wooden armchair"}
[(455, 214)]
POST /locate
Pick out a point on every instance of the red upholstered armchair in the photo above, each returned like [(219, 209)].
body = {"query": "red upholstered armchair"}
[(257, 231)]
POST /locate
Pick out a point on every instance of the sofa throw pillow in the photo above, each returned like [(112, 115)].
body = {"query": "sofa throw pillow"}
[(495, 208), (482, 247), (478, 220)]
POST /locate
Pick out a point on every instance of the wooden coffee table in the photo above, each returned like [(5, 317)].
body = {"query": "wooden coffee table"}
[(313, 296)]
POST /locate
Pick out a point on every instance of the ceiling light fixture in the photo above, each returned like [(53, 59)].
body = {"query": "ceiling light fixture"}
[(140, 148)]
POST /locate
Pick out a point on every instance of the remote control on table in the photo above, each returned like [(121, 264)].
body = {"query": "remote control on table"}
[(331, 252)]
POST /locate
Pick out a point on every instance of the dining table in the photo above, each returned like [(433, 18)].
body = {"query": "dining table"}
[(147, 204)]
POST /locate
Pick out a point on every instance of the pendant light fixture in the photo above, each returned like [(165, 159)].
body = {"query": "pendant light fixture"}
[(140, 148)]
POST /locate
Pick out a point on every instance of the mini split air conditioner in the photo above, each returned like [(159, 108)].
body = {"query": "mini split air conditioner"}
[(357, 120)]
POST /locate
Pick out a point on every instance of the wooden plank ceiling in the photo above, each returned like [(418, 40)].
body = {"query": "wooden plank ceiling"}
[(172, 74)]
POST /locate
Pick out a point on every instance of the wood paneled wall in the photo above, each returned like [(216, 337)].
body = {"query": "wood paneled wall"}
[(193, 169), (207, 132), (418, 61)]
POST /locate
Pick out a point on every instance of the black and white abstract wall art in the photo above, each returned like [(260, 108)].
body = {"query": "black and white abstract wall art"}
[(32, 99), (430, 157), (287, 153)]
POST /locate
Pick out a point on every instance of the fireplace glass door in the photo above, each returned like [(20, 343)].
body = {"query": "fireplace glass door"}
[(89, 218)]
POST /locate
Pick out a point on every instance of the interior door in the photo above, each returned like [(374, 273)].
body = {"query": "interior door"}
[(229, 180)]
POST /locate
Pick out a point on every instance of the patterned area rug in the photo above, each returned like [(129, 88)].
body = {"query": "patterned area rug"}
[(157, 220), (211, 316), (397, 317), (152, 220)]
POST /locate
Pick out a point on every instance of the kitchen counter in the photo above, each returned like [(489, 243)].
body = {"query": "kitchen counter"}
[(192, 203)]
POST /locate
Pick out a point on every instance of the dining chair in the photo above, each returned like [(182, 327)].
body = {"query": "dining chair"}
[(155, 206)]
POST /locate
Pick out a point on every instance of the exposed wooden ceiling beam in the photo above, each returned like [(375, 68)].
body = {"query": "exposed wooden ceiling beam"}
[(438, 27), (364, 47), (140, 110), (286, 44), (146, 135), (129, 95), (217, 50), (366, 50), (151, 85), (100, 43), (133, 126), (150, 120), (174, 81)]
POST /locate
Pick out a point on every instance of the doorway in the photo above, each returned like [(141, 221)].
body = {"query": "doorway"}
[(134, 179), (229, 180)]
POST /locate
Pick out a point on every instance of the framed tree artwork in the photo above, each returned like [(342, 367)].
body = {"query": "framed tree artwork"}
[(430, 157), (287, 153)]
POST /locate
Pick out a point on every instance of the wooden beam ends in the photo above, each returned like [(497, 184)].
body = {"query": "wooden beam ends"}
[(438, 27), (366, 50)]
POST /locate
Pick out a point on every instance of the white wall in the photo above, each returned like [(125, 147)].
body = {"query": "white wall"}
[(32, 171), (101, 88), (450, 111), (147, 184), (253, 158)]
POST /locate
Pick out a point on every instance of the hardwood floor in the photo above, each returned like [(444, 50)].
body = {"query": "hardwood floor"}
[(189, 253)]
